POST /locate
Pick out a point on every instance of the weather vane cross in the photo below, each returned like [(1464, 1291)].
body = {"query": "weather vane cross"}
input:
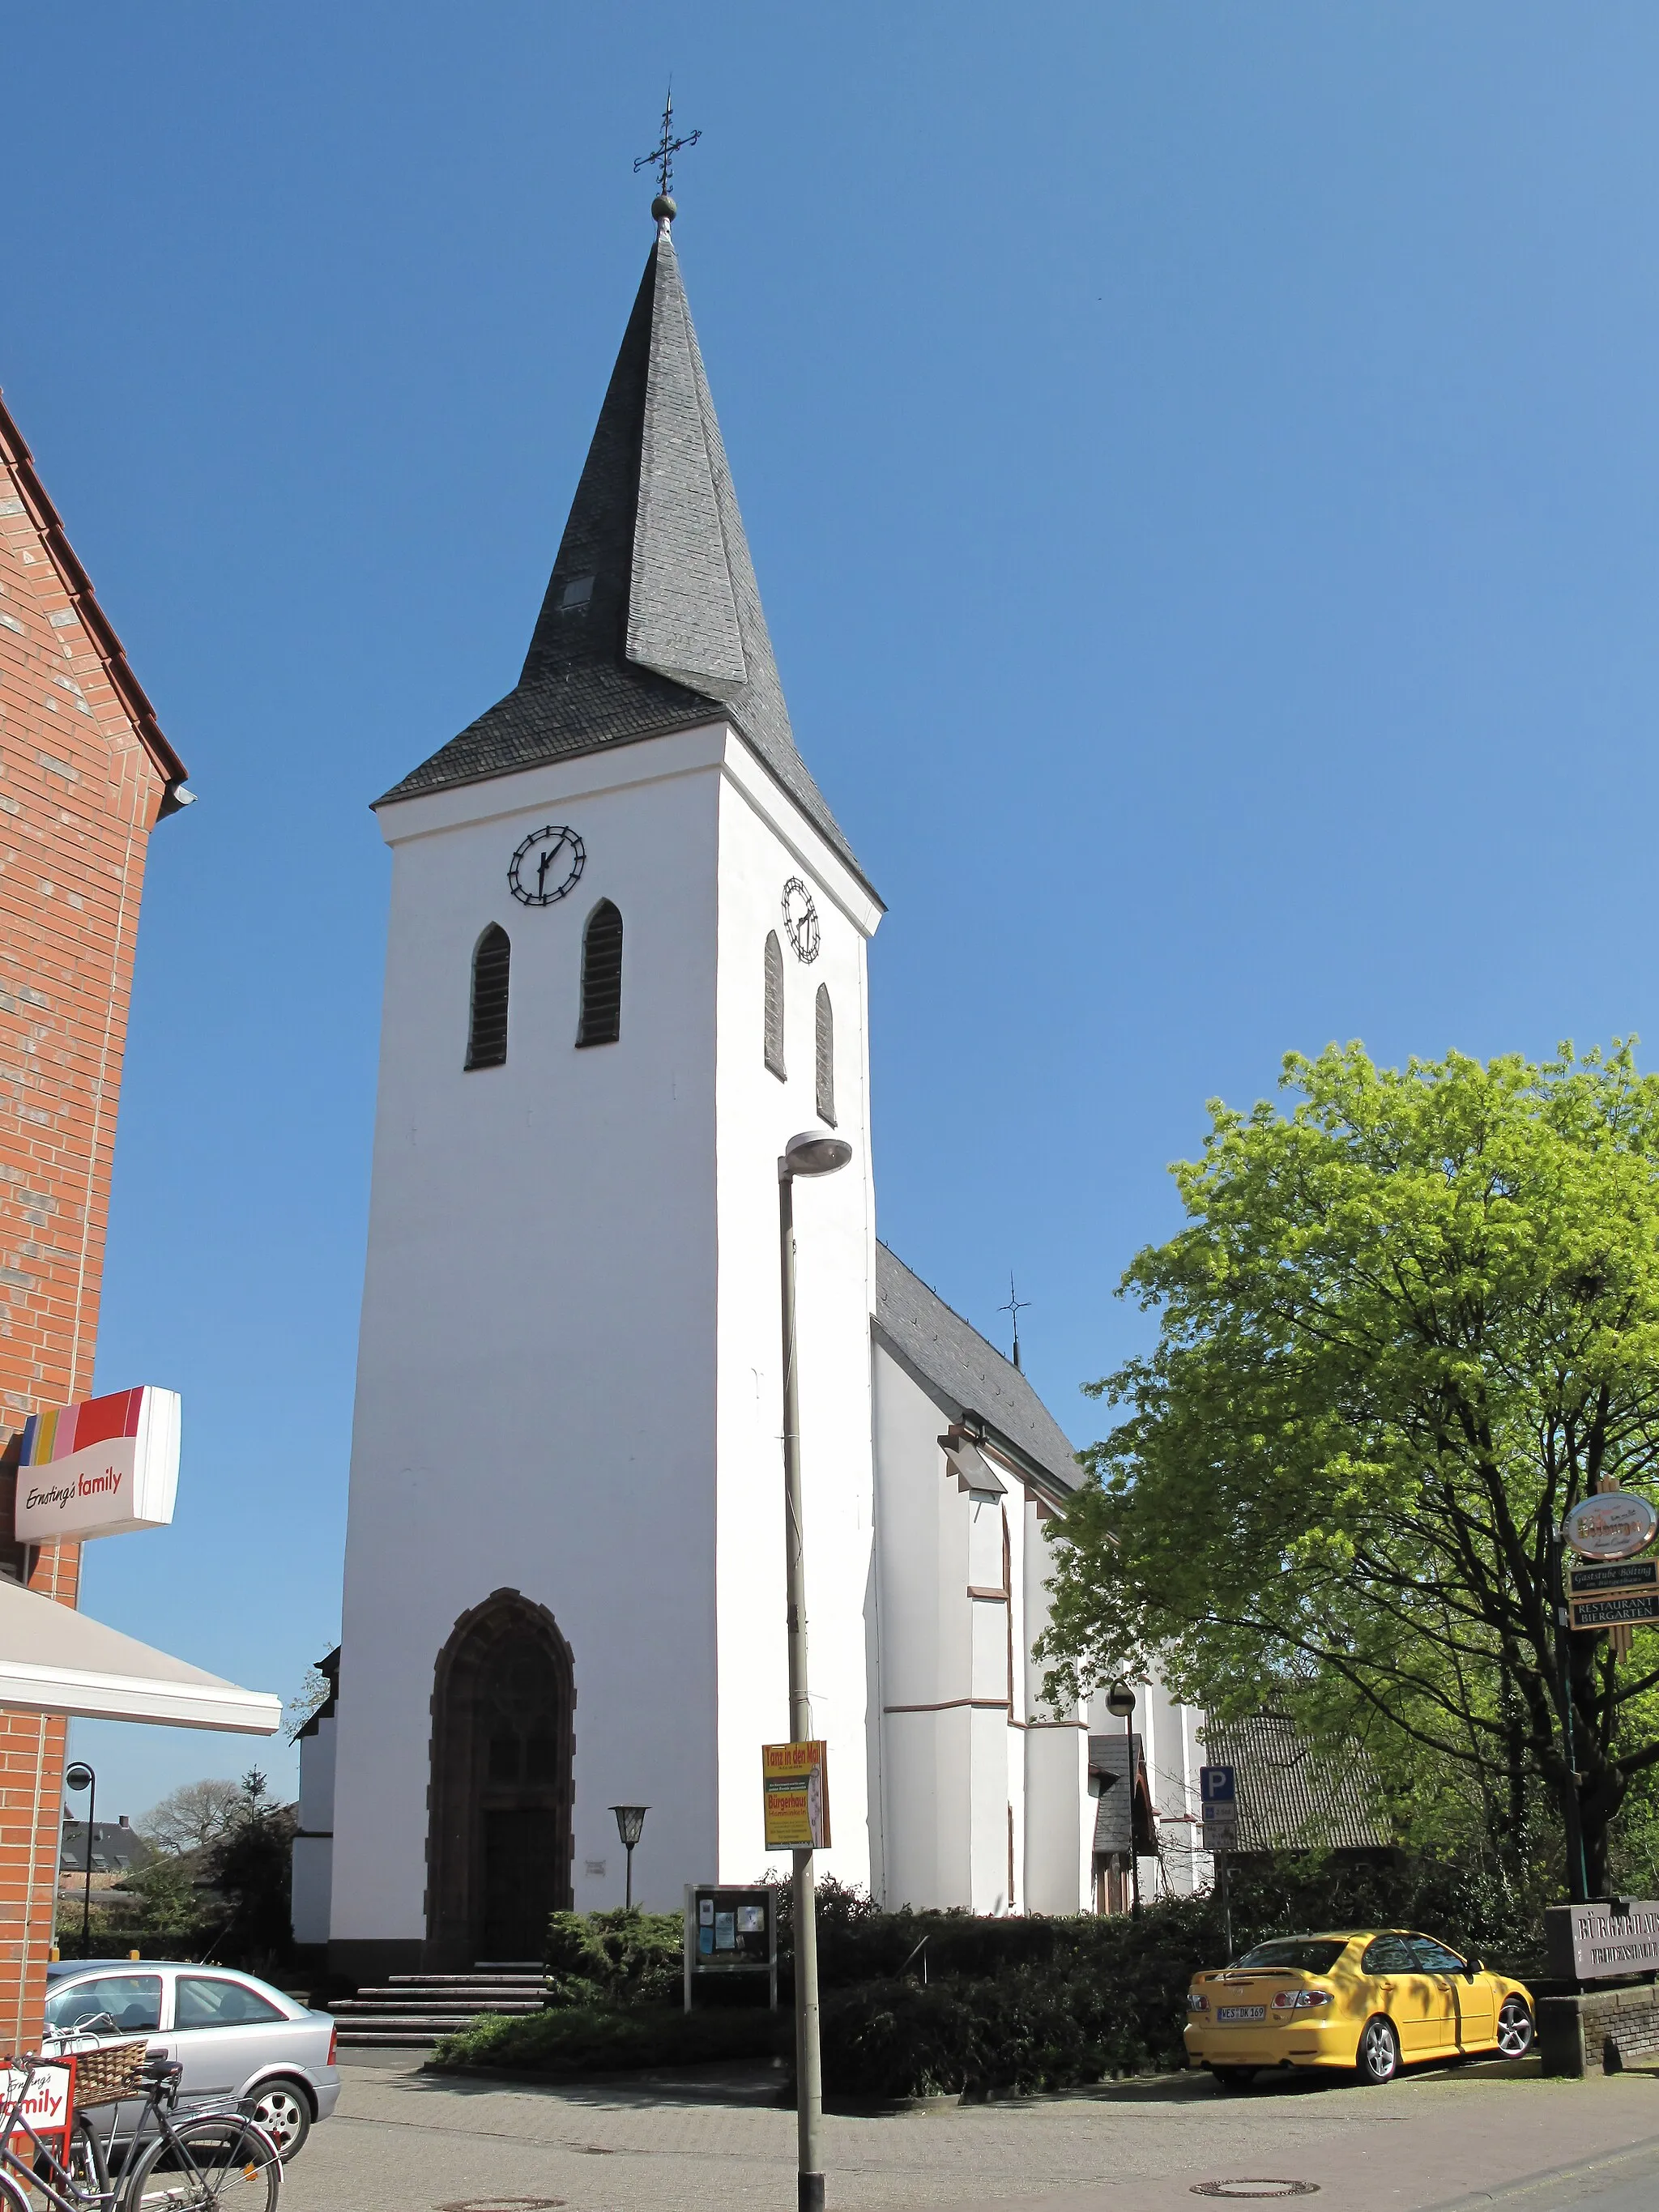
[(661, 156), (1016, 1306)]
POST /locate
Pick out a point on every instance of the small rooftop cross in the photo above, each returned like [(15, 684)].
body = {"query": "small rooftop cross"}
[(661, 159), (1016, 1306)]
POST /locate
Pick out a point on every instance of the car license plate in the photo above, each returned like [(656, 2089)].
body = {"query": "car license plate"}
[(1235, 2015)]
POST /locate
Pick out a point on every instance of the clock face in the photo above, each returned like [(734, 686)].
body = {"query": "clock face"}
[(800, 920), (546, 866)]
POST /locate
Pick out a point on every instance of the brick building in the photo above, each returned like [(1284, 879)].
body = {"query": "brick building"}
[(85, 775)]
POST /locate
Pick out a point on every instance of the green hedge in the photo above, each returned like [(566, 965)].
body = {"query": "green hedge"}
[(621, 1958), (981, 2006), (608, 2039)]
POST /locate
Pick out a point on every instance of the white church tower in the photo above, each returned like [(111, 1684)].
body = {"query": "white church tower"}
[(625, 965)]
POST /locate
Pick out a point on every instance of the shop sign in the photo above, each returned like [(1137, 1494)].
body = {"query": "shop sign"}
[(45, 2112), (103, 1468), (1611, 1525), (795, 1777), (1598, 1942)]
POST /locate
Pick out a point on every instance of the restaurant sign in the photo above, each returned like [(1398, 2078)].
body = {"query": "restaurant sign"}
[(1598, 1942), (1611, 1525), (102, 1467)]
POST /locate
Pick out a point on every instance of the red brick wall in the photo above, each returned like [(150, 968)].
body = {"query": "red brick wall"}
[(81, 781)]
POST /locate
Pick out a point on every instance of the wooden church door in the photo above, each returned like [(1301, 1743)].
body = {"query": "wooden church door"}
[(502, 1748)]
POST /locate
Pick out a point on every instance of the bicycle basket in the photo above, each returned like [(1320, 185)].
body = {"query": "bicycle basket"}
[(114, 2070)]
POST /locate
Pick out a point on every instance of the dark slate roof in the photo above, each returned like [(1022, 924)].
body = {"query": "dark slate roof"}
[(1112, 1759), (970, 1375), (1292, 1797), (116, 1848), (652, 621)]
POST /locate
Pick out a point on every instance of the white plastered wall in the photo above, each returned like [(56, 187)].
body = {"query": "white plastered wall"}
[(764, 843), (977, 1772), (536, 1397)]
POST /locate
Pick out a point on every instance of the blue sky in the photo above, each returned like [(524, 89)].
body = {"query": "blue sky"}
[(1200, 463)]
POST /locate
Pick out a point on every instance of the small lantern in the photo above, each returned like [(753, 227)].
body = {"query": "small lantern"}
[(630, 1823)]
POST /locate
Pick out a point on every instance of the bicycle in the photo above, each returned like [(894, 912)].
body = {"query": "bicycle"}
[(214, 2157)]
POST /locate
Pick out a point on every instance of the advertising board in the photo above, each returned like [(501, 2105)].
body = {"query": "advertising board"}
[(795, 1778), (1599, 1942), (103, 1468)]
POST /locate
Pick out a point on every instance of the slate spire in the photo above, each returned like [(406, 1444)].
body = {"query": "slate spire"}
[(652, 621)]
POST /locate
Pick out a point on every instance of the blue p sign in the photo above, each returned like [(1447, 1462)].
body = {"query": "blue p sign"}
[(1215, 1786)]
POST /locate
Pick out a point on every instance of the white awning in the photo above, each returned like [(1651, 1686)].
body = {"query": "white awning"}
[(54, 1660)]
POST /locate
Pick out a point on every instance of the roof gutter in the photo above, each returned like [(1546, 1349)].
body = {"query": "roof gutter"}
[(135, 702)]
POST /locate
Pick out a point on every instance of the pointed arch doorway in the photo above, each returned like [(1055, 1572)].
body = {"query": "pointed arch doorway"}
[(503, 1747)]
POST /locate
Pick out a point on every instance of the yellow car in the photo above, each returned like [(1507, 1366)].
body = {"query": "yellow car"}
[(1369, 2002)]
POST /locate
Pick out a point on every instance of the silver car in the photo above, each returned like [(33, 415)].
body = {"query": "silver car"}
[(234, 2035)]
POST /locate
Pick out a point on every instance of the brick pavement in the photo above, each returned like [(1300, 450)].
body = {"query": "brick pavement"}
[(402, 2142)]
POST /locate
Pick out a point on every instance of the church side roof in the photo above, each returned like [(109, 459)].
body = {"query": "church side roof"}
[(652, 620), (970, 1375)]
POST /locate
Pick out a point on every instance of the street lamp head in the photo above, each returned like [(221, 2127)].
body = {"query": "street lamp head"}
[(77, 1777), (1121, 1700), (814, 1152), (630, 1820)]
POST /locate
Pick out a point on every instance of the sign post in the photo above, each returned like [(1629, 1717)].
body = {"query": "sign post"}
[(1218, 1797)]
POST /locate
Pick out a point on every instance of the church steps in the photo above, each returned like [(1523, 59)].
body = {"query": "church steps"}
[(410, 2011)]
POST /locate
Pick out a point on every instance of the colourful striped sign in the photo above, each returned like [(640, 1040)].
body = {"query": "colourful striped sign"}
[(103, 1468)]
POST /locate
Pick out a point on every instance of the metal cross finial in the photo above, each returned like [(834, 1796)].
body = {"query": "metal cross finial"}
[(1016, 1306), (661, 156)]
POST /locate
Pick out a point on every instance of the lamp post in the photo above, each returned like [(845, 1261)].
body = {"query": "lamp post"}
[(1121, 1699), (78, 1777), (814, 1153), (630, 1820)]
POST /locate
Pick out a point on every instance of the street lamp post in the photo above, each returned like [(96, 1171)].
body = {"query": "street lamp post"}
[(814, 1153), (630, 1821), (78, 1777)]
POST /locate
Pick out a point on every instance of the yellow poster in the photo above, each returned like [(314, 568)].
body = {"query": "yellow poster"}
[(795, 1777)]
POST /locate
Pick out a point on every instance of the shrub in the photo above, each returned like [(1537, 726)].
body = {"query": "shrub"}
[(622, 1958), (605, 2039)]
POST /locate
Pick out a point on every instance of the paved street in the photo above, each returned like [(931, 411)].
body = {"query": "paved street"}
[(405, 2143)]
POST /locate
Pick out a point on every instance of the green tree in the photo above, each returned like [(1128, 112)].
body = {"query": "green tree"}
[(1407, 1325)]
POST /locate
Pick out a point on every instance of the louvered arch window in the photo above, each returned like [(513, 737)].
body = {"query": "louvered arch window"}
[(774, 1005), (486, 1035), (602, 956), (825, 1041)]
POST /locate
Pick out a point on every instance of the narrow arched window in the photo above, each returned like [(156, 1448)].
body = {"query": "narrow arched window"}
[(774, 1004), (826, 1056), (486, 1035), (602, 942)]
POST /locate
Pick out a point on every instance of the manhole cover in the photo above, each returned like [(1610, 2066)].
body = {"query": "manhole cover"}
[(1253, 2186), (504, 2205)]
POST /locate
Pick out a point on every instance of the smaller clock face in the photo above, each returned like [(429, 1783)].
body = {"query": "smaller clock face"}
[(546, 866), (800, 920)]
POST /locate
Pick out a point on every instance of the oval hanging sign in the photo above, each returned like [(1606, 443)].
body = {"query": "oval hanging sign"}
[(1612, 1525)]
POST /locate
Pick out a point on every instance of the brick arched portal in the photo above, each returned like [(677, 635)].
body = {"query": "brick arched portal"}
[(504, 1749)]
